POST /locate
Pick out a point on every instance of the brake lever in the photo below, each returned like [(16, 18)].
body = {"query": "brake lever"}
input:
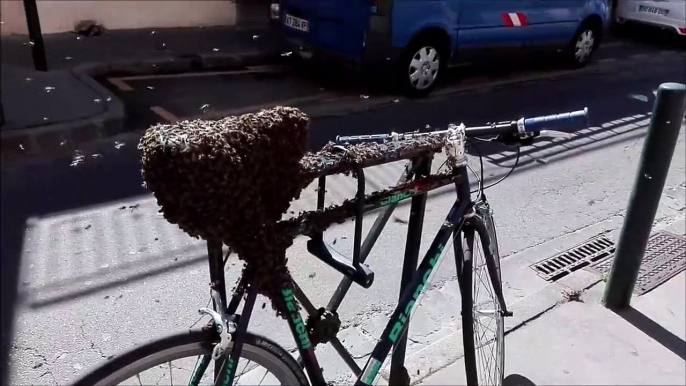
[(516, 139)]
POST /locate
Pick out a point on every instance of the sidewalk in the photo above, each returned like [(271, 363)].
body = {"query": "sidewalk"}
[(67, 104), (584, 343)]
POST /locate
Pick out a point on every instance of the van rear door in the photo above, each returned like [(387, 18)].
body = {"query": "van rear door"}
[(336, 26)]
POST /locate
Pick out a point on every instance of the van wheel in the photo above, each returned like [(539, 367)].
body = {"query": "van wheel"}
[(420, 66), (583, 45)]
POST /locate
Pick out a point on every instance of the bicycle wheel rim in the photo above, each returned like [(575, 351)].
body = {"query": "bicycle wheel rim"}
[(487, 319), (165, 368)]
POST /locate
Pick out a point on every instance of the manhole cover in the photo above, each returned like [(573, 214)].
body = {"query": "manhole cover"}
[(582, 255), (665, 257)]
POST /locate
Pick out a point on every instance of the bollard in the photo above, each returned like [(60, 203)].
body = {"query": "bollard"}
[(665, 123)]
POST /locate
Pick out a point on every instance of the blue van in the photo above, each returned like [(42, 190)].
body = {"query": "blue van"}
[(417, 38)]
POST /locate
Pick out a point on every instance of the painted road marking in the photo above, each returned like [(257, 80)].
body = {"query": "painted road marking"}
[(247, 70), (120, 84), (347, 104), (164, 114), (351, 103), (253, 108)]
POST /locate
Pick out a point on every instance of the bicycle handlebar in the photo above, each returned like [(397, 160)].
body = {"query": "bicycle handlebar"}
[(565, 122)]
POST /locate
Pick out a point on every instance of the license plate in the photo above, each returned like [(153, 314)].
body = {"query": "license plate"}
[(653, 10), (297, 23)]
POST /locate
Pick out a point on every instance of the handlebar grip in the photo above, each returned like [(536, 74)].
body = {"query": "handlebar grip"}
[(566, 122)]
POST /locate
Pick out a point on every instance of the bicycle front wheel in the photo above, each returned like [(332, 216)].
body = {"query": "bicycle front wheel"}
[(177, 359), (482, 316)]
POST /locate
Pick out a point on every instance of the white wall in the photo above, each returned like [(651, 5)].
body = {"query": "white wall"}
[(12, 17), (61, 15)]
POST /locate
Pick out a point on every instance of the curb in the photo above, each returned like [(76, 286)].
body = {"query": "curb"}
[(448, 349), (69, 135)]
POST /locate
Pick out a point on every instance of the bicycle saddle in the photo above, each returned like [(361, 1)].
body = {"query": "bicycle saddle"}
[(219, 179), (233, 179)]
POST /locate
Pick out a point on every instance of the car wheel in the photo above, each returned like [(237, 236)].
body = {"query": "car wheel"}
[(583, 46), (420, 68)]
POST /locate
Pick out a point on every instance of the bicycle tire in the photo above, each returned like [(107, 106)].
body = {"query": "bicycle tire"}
[(256, 348), (476, 373)]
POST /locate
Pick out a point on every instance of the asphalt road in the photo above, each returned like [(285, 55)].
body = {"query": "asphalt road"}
[(152, 99), (102, 271)]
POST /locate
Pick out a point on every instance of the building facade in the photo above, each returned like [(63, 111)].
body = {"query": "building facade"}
[(62, 15)]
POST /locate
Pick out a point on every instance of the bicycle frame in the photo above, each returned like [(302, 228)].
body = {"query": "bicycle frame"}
[(414, 279)]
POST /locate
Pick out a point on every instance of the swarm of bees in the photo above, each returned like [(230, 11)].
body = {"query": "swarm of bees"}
[(233, 179)]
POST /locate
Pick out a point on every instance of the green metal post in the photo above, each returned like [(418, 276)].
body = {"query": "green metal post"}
[(665, 123)]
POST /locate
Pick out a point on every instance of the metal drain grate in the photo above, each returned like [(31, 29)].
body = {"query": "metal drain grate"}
[(665, 257), (582, 255)]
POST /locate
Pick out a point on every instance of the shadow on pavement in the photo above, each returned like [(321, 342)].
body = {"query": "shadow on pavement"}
[(517, 380), (103, 283), (609, 123), (550, 147), (661, 335), (45, 184)]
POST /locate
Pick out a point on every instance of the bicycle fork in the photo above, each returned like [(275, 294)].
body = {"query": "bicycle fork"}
[(464, 263)]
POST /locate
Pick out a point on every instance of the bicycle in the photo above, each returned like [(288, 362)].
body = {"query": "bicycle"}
[(225, 340)]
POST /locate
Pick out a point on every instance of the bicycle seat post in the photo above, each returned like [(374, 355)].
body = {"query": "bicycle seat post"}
[(359, 213), (216, 261), (421, 167)]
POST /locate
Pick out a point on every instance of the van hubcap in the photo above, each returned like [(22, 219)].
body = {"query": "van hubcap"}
[(584, 46), (424, 68)]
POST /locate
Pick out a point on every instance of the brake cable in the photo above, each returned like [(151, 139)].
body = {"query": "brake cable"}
[(504, 177)]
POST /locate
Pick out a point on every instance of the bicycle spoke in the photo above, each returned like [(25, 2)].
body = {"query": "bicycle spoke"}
[(241, 373), (263, 377), (484, 278), (487, 326), (485, 365), (486, 318), (485, 329), (171, 379), (183, 370), (483, 368)]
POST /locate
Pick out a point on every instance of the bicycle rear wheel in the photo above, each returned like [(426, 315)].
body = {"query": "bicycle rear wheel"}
[(176, 359), (482, 316)]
